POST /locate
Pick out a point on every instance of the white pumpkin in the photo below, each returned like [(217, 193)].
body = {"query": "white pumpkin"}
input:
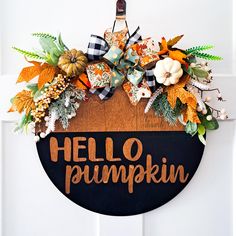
[(168, 71)]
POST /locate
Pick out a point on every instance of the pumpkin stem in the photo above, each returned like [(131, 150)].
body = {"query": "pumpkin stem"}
[(167, 75)]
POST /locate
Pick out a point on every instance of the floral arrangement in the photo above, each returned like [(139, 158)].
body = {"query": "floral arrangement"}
[(172, 80)]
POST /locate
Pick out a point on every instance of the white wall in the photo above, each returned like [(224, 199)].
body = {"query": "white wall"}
[(31, 205)]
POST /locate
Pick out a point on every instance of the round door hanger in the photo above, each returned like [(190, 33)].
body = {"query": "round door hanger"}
[(120, 162)]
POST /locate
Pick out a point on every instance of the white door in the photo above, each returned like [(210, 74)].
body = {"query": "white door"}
[(32, 206)]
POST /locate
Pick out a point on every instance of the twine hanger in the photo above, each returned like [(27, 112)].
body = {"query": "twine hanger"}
[(120, 14)]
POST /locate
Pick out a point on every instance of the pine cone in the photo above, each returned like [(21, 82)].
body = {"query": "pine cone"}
[(73, 62)]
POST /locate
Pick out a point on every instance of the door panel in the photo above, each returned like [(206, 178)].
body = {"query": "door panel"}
[(204, 207)]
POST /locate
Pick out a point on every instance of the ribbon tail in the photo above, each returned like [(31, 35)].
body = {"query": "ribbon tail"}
[(134, 38), (151, 80), (103, 93)]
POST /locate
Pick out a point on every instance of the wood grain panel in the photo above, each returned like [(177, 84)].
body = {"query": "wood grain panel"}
[(116, 114)]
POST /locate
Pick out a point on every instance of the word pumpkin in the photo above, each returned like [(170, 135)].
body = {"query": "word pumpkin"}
[(102, 170)]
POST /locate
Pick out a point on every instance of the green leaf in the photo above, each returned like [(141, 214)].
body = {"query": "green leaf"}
[(199, 72), (25, 120), (199, 48), (61, 43), (48, 59), (54, 55), (32, 87), (47, 44), (207, 56), (212, 124), (202, 139), (201, 129), (189, 70), (28, 53), (191, 128), (51, 49), (201, 132), (209, 125)]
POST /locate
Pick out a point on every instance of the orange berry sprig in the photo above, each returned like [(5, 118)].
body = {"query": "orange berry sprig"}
[(51, 93)]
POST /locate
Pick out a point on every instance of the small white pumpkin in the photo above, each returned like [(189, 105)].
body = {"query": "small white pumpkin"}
[(168, 71)]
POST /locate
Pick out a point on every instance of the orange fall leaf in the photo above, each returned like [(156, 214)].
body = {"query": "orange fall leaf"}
[(164, 45), (178, 55), (46, 76), (191, 115), (173, 54), (177, 91), (45, 72), (23, 101)]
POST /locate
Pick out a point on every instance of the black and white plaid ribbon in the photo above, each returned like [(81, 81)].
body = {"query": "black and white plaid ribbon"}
[(151, 79), (103, 93), (97, 48), (134, 38)]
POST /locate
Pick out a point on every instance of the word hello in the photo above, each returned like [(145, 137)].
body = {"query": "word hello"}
[(116, 171)]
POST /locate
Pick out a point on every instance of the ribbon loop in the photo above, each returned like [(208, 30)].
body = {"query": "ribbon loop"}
[(132, 56), (97, 48), (117, 78), (125, 65), (114, 55), (128, 61), (135, 75)]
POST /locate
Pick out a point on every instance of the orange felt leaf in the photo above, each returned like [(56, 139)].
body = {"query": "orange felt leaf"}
[(183, 81), (173, 54), (23, 101), (46, 76), (178, 91), (30, 72), (164, 45), (191, 115), (178, 55), (45, 72)]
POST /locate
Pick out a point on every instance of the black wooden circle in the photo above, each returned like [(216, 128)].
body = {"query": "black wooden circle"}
[(114, 198)]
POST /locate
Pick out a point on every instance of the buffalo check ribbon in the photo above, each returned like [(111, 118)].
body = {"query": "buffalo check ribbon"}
[(103, 93), (134, 38), (97, 48), (151, 80)]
